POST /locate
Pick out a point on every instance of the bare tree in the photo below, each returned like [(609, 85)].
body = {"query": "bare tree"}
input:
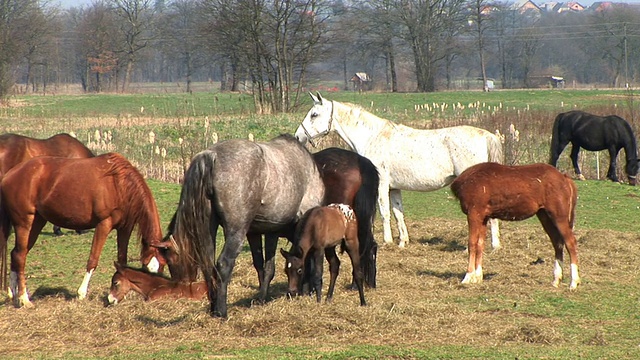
[(136, 21), (178, 39), (14, 18), (274, 43), (424, 22)]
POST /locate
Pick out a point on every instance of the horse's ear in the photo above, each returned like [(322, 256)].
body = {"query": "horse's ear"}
[(284, 253), (314, 98), (320, 99), (117, 266)]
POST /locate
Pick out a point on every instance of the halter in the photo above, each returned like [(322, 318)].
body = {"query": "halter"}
[(306, 132)]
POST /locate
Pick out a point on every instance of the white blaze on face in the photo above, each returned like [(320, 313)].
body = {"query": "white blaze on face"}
[(153, 265), (112, 299)]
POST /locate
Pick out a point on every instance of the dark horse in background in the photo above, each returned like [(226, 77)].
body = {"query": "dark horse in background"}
[(595, 133), (15, 149), (249, 189), (104, 192)]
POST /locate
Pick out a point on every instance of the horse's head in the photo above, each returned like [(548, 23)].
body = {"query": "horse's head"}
[(169, 253), (120, 286), (293, 267), (318, 121)]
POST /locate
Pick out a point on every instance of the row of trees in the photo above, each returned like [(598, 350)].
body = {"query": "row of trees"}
[(275, 48)]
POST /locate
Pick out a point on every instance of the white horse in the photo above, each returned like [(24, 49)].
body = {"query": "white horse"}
[(407, 158)]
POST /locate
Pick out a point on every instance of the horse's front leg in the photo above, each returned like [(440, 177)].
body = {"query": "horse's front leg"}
[(334, 269), (385, 212), (255, 244), (316, 279), (99, 237), (227, 260), (612, 173), (477, 232), (270, 248), (575, 149), (395, 197)]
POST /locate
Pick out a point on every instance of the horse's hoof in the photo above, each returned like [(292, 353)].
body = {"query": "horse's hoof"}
[(581, 177)]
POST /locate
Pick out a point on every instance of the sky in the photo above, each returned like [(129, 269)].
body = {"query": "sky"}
[(71, 3)]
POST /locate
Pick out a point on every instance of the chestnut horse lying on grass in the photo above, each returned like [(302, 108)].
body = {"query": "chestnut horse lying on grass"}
[(319, 231), (151, 286), (491, 190)]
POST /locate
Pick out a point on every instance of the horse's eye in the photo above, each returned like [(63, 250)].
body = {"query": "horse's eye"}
[(314, 114), (299, 271)]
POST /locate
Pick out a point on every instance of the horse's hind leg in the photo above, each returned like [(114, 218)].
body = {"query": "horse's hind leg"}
[(334, 269), (395, 197), (575, 149), (477, 233), (358, 277), (25, 239)]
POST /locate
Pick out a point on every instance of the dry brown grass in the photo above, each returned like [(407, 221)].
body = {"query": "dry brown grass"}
[(419, 303)]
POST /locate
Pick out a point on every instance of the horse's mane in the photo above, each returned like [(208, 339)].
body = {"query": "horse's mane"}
[(355, 107), (302, 224), (133, 194)]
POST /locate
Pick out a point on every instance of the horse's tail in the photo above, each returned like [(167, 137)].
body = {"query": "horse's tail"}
[(555, 140), (5, 231), (572, 200), (195, 218), (495, 149), (365, 209)]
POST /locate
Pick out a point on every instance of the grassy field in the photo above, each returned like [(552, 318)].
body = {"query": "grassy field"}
[(419, 309)]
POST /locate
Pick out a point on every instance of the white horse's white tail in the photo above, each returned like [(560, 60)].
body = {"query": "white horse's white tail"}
[(495, 149)]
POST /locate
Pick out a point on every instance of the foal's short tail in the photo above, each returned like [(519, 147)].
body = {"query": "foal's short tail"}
[(365, 209), (5, 231), (194, 217)]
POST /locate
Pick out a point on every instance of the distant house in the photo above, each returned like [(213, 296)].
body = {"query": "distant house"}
[(569, 6), (527, 7), (361, 81)]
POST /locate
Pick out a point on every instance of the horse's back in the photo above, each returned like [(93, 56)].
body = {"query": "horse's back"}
[(512, 192), (274, 182)]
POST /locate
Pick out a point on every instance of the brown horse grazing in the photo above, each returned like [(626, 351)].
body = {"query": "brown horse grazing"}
[(319, 231), (491, 190), (15, 149), (106, 193), (151, 286)]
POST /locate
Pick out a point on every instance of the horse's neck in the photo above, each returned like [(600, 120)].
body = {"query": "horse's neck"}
[(357, 127)]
